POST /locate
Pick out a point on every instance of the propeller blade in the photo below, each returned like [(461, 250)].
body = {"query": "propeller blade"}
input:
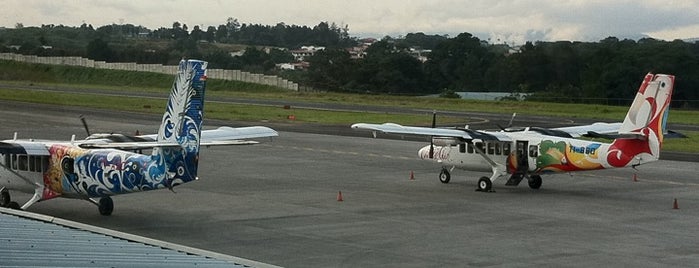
[(82, 119), (511, 119)]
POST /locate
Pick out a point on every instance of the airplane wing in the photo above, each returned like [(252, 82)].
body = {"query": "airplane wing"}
[(465, 134), (214, 137), (22, 147), (598, 128)]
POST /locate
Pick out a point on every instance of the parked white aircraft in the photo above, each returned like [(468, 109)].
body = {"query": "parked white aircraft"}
[(531, 152), (99, 166)]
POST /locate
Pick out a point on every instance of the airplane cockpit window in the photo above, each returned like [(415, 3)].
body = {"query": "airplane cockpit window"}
[(38, 163), (462, 148), (470, 148), (6, 160), (44, 163), (13, 160), (497, 149), (491, 148)]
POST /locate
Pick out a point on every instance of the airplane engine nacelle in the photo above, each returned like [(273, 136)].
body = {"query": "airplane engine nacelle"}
[(443, 141)]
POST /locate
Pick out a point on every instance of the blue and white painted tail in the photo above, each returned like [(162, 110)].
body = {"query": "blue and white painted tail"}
[(182, 123)]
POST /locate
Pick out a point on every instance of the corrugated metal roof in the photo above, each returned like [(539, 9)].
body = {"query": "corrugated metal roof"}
[(32, 240)]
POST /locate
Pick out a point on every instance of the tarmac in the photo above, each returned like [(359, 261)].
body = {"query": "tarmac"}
[(277, 203)]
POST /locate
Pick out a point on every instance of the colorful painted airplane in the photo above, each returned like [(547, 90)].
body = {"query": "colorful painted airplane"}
[(105, 165), (530, 152)]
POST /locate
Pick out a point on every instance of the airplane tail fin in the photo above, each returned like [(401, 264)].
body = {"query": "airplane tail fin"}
[(182, 122), (645, 123)]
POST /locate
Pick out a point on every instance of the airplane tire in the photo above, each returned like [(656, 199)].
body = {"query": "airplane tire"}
[(444, 176), (106, 206), (5, 198), (14, 205), (535, 182), (484, 184)]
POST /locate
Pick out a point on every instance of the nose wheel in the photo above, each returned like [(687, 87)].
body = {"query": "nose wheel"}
[(105, 205), (6, 200), (444, 176)]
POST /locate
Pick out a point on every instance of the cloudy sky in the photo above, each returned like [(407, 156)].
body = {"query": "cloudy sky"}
[(514, 21)]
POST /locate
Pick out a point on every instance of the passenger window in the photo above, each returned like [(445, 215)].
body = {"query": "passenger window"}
[(506, 148), (491, 148), (22, 162), (462, 148), (14, 161), (470, 148), (533, 151), (479, 146)]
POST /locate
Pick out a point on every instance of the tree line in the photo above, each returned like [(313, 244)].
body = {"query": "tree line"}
[(608, 71)]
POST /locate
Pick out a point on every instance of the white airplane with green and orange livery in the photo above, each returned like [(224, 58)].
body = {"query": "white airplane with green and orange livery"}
[(531, 152)]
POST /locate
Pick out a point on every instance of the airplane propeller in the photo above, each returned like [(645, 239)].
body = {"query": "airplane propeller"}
[(509, 124), (87, 129)]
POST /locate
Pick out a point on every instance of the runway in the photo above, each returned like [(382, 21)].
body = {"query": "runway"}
[(276, 202)]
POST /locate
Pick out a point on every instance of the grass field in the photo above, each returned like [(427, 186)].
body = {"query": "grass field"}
[(87, 79)]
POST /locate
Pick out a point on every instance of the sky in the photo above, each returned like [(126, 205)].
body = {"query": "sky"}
[(514, 21)]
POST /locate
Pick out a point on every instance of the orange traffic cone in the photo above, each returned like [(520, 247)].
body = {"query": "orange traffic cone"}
[(339, 196), (412, 176), (674, 205)]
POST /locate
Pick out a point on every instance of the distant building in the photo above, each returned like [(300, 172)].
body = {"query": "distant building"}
[(420, 54), (293, 65), (237, 53), (305, 52)]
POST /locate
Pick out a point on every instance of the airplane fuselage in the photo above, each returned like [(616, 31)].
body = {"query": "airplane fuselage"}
[(536, 154), (66, 170)]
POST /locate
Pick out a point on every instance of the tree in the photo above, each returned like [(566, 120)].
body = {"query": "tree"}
[(98, 49)]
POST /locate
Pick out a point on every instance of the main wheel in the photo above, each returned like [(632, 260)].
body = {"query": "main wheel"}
[(535, 181), (14, 205), (5, 198), (106, 206), (484, 184), (444, 176)]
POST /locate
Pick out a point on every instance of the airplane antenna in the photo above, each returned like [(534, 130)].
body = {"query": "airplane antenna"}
[(434, 124), (82, 119)]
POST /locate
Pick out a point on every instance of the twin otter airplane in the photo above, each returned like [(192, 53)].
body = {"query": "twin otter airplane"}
[(530, 152), (105, 165)]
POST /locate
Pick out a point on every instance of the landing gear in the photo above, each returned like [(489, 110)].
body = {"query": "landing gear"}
[(106, 206), (5, 198), (444, 176), (484, 184), (535, 181), (14, 205)]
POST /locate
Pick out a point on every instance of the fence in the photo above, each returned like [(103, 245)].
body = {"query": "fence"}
[(233, 75)]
